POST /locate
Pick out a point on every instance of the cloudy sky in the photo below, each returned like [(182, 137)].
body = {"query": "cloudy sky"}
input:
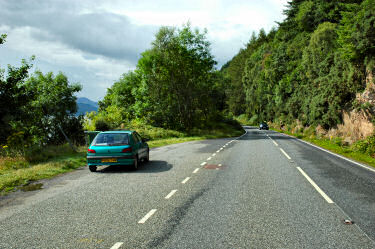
[(93, 42)]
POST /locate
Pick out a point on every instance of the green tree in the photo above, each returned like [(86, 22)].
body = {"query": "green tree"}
[(14, 98), (176, 76), (54, 105)]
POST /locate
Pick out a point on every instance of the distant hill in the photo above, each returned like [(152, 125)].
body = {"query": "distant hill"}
[(86, 105)]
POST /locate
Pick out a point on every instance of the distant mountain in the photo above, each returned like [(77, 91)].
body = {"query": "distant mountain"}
[(86, 105)]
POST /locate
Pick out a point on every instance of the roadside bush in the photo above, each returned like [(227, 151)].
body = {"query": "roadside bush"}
[(366, 146), (102, 125), (36, 154)]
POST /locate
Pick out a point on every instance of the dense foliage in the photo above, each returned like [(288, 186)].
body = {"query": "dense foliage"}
[(174, 85), (34, 109), (309, 68)]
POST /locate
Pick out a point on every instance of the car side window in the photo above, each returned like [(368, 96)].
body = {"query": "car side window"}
[(139, 137), (136, 140)]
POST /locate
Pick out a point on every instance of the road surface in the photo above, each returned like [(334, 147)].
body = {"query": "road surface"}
[(261, 190)]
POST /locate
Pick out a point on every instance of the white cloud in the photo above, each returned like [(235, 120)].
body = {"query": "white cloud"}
[(94, 42)]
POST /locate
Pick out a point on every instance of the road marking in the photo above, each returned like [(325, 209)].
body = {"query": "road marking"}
[(170, 194), (330, 152), (219, 165), (315, 186), (196, 170), (186, 179), (274, 142), (214, 154), (287, 156), (208, 159), (204, 163), (217, 151), (117, 245), (147, 216)]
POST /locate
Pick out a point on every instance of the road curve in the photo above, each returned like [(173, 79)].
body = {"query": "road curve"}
[(261, 190)]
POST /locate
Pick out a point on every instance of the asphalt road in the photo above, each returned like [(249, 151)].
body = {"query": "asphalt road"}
[(262, 190)]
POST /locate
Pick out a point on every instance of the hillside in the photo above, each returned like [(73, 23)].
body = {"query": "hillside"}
[(86, 105), (314, 70)]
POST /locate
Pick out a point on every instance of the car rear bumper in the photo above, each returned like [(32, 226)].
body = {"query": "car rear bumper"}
[(120, 160)]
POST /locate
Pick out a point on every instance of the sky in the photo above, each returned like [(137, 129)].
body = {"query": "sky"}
[(94, 42)]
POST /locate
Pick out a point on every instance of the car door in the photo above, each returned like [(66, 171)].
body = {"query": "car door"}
[(140, 145)]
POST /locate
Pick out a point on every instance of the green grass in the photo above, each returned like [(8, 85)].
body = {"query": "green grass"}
[(335, 146), (19, 172)]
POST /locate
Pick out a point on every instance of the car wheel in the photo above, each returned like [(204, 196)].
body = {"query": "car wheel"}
[(147, 158), (92, 168), (135, 164)]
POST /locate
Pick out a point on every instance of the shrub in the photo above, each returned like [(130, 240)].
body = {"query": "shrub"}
[(365, 146), (102, 125), (36, 154)]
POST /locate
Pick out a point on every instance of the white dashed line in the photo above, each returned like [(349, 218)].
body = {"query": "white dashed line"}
[(219, 165), (315, 186), (204, 163), (117, 245), (196, 170), (147, 216), (208, 159), (214, 154), (170, 194), (287, 156), (186, 179), (217, 151), (275, 143)]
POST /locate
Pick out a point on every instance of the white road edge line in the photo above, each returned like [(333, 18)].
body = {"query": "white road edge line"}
[(171, 193), (208, 159), (147, 216), (185, 180), (117, 245), (330, 152), (274, 143), (315, 186), (204, 163), (287, 156), (196, 170)]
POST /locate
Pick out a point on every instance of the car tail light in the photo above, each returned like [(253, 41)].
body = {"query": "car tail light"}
[(127, 150), (91, 151)]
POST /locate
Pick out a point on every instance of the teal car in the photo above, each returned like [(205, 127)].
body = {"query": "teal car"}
[(117, 148)]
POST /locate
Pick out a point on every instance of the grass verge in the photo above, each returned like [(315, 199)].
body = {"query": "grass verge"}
[(334, 146), (19, 173)]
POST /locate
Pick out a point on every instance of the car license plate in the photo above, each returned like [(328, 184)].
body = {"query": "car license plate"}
[(109, 160)]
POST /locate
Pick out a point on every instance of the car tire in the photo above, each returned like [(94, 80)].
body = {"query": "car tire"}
[(92, 168), (135, 164), (147, 158)]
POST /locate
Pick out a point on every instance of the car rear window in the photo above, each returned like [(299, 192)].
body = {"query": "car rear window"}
[(111, 139)]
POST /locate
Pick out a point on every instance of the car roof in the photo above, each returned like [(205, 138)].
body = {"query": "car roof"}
[(119, 131)]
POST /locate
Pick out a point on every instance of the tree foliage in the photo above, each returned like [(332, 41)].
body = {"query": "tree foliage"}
[(174, 85), (34, 108), (309, 68)]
